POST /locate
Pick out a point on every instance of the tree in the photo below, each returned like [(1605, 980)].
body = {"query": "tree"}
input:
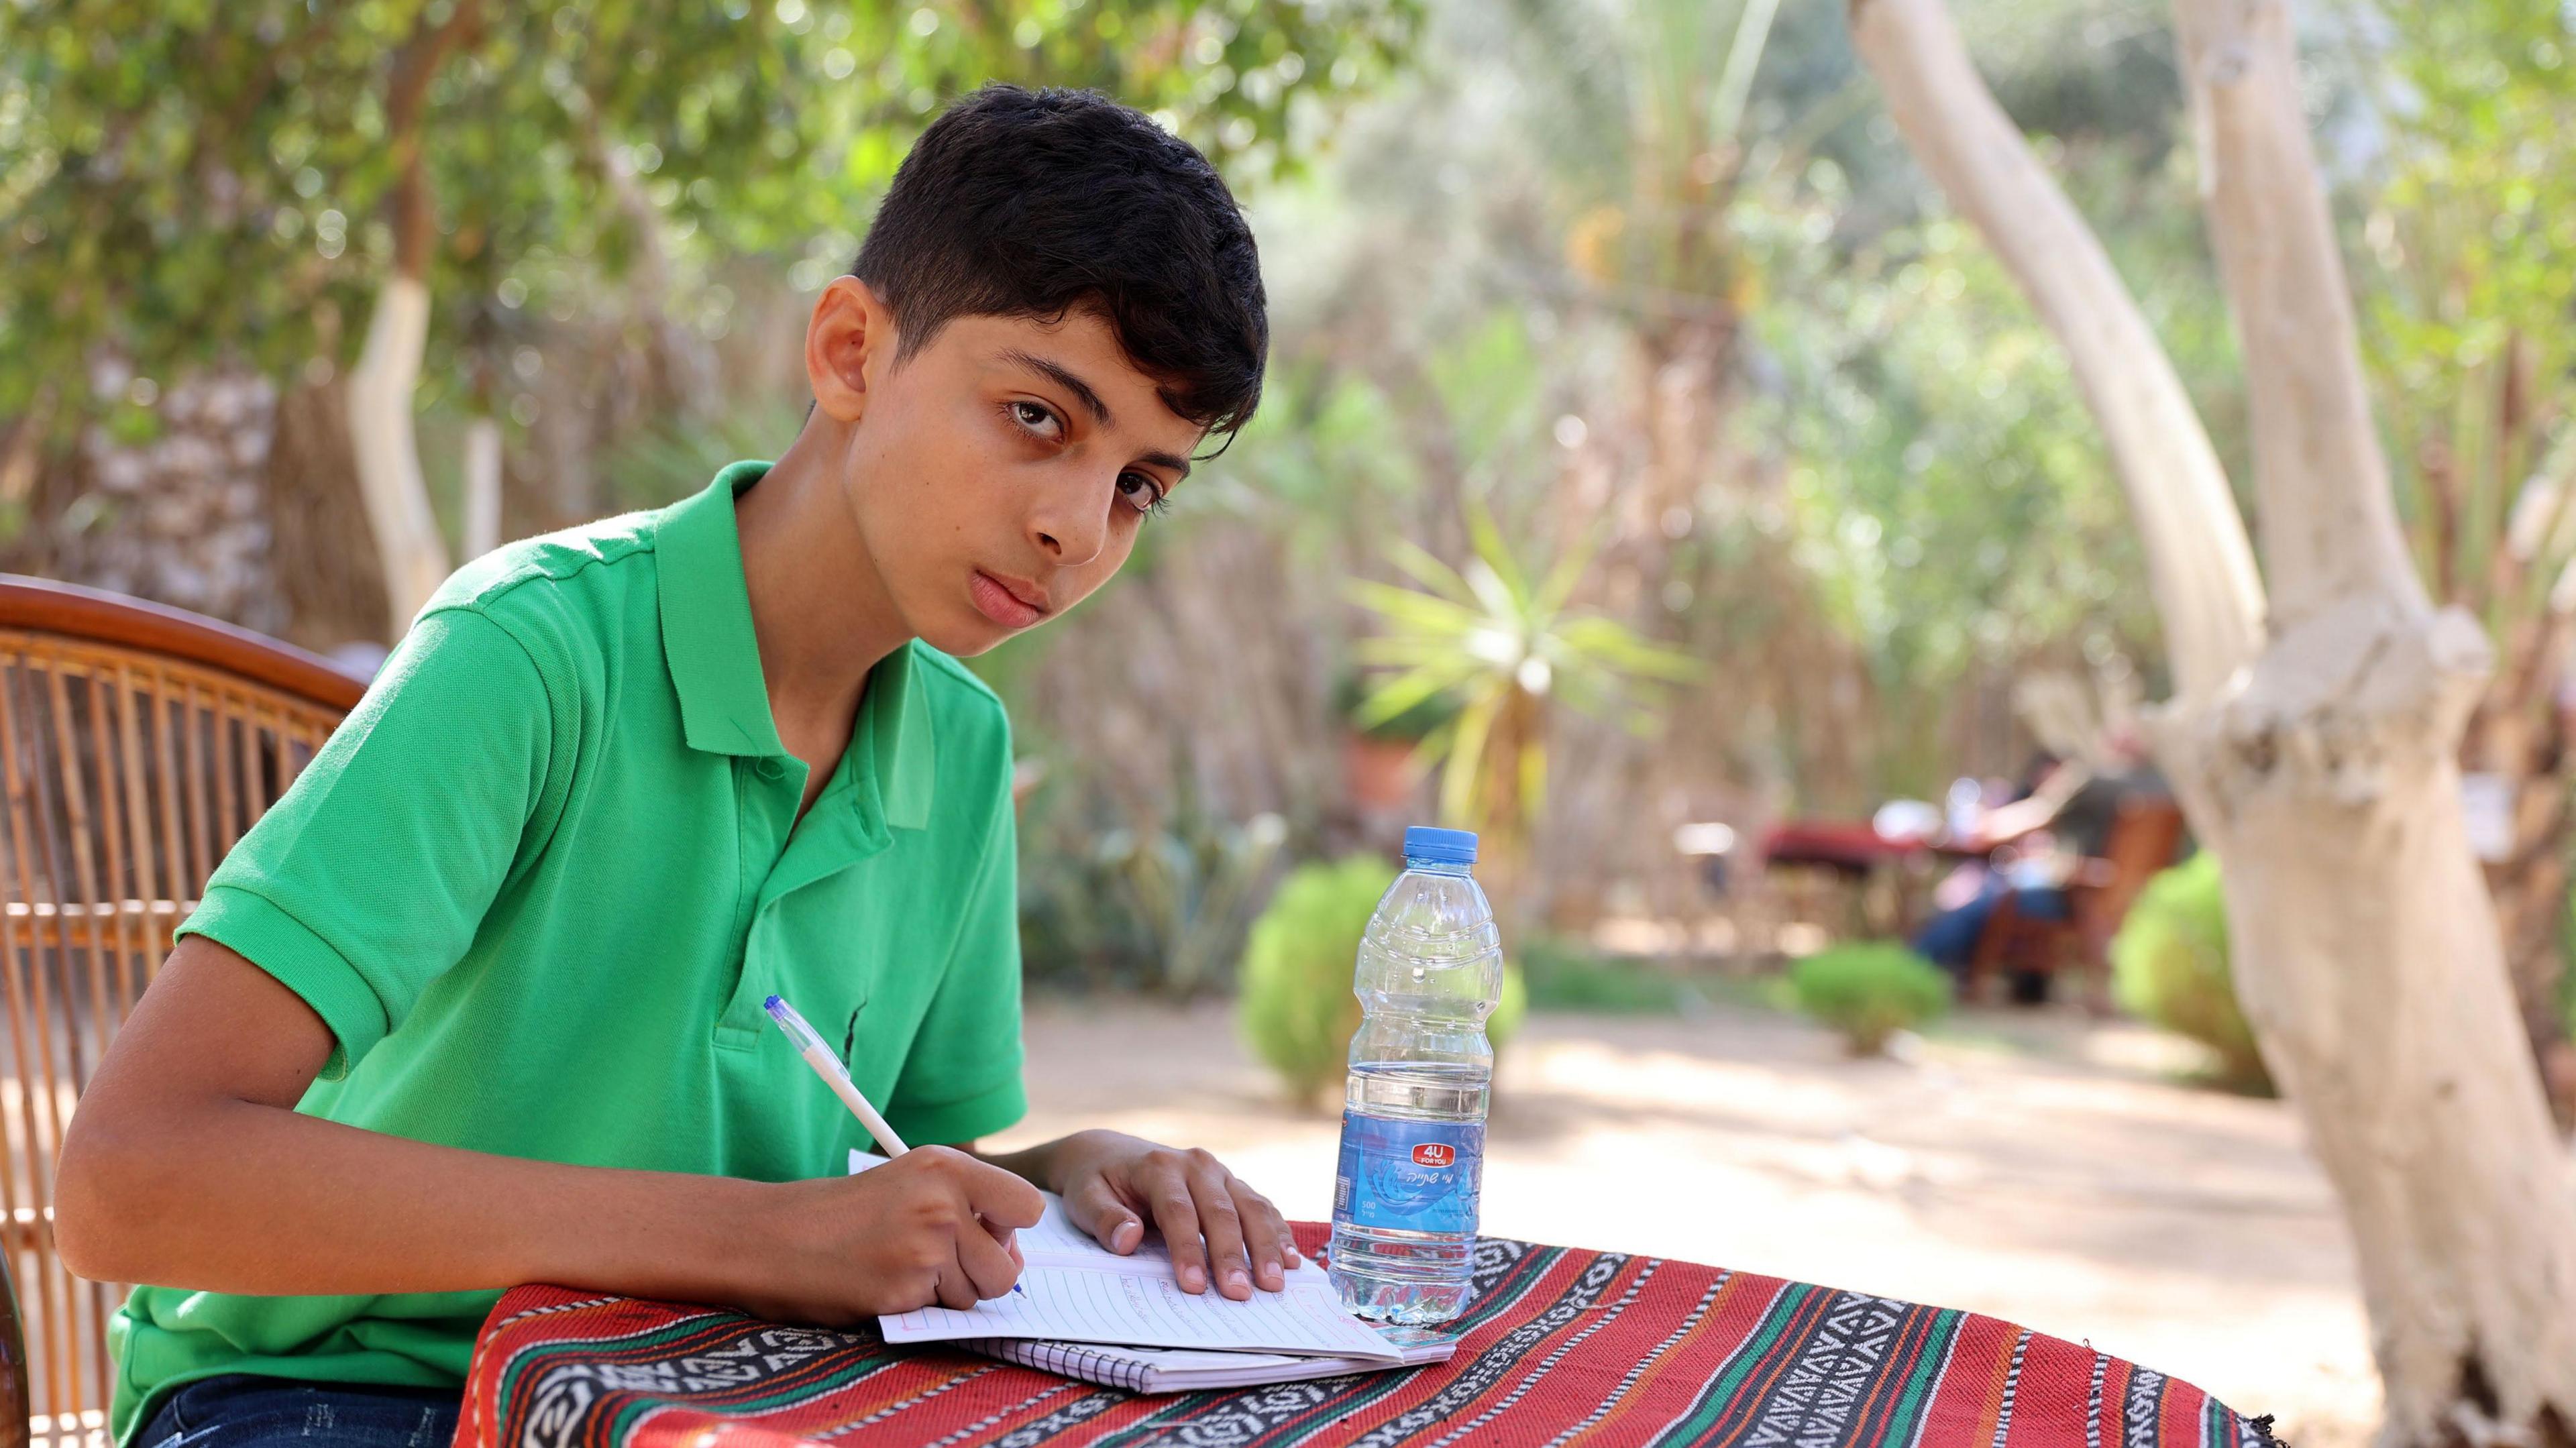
[(1500, 640), (194, 182), (2465, 327), (2313, 735)]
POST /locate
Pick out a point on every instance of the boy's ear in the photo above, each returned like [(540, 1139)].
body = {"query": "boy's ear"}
[(849, 344)]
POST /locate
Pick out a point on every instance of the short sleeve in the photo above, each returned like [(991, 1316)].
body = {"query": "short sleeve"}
[(371, 875), (961, 1079)]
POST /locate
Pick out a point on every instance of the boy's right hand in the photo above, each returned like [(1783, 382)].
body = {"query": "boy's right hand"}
[(931, 1226)]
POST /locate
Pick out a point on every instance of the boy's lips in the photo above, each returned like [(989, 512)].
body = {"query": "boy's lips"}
[(1016, 604)]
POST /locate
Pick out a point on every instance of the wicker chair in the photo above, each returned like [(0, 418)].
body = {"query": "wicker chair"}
[(136, 744), (2145, 833)]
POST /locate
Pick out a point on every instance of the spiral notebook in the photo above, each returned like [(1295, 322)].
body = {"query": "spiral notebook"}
[(1073, 1290), (1185, 1370)]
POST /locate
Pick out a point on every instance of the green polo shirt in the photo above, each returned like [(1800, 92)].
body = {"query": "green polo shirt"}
[(540, 881)]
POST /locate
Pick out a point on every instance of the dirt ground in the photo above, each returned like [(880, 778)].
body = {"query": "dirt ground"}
[(2035, 1166)]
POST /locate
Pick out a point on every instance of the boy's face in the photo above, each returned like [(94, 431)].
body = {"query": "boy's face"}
[(997, 475)]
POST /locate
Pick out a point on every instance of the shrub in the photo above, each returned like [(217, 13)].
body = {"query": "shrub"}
[(1161, 909), (1297, 1009), (2169, 965), (1869, 991), (1564, 975)]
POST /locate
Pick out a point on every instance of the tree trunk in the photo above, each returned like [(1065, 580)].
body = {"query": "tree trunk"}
[(2323, 770), (328, 568), (2372, 968), (482, 486), (380, 386), (2508, 565), (413, 554), (2208, 595)]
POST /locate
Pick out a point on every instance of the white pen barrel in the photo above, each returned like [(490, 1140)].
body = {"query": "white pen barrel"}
[(830, 1070)]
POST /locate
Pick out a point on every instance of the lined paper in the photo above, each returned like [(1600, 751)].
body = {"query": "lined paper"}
[(1118, 1306), (1075, 1290)]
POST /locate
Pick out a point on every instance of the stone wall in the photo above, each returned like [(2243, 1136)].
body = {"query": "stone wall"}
[(181, 518)]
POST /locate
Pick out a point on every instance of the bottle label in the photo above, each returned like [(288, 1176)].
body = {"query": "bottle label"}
[(1409, 1176)]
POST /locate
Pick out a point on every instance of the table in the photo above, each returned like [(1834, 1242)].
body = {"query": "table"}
[(1856, 854), (1560, 1346)]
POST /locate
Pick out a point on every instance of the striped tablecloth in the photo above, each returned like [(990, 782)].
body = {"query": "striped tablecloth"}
[(1560, 1346)]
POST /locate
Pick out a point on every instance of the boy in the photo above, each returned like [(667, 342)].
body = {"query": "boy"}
[(479, 1001)]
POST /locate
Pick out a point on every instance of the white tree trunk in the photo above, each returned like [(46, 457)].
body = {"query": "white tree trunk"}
[(2369, 964), (2198, 561), (2323, 770), (2328, 519), (388, 459), (482, 486)]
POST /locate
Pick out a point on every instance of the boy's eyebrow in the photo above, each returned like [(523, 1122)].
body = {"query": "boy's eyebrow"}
[(1066, 378)]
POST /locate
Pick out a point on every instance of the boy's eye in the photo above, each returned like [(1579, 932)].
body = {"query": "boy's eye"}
[(1034, 417), (1141, 492)]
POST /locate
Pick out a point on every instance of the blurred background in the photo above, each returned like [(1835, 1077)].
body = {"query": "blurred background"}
[(1654, 475)]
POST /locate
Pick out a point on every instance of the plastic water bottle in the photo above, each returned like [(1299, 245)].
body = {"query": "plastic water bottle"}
[(1413, 1116)]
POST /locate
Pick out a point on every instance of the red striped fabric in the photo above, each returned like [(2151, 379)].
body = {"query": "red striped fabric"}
[(1559, 1347)]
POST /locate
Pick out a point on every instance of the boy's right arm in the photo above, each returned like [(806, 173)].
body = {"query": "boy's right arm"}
[(188, 1166)]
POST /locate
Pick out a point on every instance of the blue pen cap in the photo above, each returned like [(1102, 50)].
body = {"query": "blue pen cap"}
[(1440, 847)]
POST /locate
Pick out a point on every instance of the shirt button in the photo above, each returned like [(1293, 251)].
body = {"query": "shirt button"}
[(769, 769)]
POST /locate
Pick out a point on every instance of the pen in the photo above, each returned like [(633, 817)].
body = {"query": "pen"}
[(834, 1074), (837, 1076)]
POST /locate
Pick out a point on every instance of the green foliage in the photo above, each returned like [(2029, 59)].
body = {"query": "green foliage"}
[(2468, 275), (1411, 726), (1498, 640), (1869, 991), (2566, 976), (1510, 1008), (2169, 965), (191, 180), (1296, 1006), (666, 463), (1944, 491), (1564, 976), (1947, 492), (1162, 908)]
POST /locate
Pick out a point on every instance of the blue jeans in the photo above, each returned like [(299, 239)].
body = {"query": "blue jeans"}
[(1950, 938), (240, 1410)]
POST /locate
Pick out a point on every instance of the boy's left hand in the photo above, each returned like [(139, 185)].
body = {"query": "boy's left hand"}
[(1217, 1228)]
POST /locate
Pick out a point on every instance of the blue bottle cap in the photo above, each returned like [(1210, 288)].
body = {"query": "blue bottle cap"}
[(1440, 847)]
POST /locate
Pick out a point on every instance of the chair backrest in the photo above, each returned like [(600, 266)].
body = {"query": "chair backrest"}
[(2145, 832), (136, 744)]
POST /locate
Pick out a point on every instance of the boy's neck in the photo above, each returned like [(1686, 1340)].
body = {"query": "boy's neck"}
[(819, 607)]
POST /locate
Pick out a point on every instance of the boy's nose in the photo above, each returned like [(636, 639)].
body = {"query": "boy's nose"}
[(1074, 535)]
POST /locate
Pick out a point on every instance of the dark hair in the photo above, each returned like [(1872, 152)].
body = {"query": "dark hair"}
[(1021, 203)]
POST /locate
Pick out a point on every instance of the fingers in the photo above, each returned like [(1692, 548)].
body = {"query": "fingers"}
[(997, 1196), (1266, 1237), (955, 1287), (975, 1209), (1177, 1214), (989, 1267), (1221, 1223), (1096, 1208)]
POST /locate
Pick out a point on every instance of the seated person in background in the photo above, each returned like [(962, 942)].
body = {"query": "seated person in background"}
[(2038, 841)]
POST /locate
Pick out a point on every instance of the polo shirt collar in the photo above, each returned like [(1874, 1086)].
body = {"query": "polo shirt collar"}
[(896, 712), (714, 658)]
